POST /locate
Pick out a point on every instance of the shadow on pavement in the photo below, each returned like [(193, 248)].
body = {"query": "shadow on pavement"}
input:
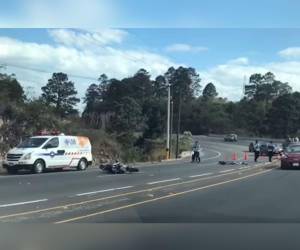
[(28, 172), (288, 169)]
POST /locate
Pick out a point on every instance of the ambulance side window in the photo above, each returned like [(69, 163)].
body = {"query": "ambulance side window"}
[(53, 143)]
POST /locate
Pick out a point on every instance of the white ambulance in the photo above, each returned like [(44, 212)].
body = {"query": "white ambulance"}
[(43, 152)]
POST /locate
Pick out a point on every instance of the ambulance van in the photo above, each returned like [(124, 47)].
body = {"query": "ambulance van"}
[(40, 153)]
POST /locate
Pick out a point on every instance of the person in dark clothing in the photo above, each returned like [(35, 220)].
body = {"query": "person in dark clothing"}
[(196, 152), (271, 148), (256, 150)]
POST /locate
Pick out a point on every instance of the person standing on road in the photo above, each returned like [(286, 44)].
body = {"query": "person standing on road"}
[(196, 152), (256, 150), (271, 149)]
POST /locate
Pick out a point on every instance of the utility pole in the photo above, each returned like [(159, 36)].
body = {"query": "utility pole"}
[(171, 128), (168, 120), (178, 125)]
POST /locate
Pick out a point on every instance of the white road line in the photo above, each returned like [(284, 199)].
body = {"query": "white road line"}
[(214, 157), (123, 187), (96, 192), (103, 191), (22, 203), (199, 175), (228, 170), (155, 182), (243, 167)]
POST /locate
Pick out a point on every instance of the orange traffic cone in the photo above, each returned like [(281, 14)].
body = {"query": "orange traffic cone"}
[(234, 157), (246, 156)]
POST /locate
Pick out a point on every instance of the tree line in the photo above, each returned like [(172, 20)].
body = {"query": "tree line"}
[(132, 110)]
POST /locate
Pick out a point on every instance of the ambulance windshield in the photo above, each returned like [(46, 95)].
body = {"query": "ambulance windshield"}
[(32, 142)]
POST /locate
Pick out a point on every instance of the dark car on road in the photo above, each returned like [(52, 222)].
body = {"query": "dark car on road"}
[(291, 157), (230, 137), (264, 148)]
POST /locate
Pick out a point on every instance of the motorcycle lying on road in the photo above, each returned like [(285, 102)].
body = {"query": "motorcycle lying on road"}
[(117, 168)]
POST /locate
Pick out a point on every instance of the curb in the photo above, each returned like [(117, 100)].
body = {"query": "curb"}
[(184, 155), (164, 162), (268, 165), (271, 165)]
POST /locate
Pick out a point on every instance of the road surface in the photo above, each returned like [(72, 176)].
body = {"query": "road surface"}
[(169, 192)]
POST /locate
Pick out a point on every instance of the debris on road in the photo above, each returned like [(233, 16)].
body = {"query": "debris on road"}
[(233, 163), (117, 168)]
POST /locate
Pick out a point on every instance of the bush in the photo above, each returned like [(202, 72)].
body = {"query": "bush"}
[(186, 141), (131, 154), (154, 150)]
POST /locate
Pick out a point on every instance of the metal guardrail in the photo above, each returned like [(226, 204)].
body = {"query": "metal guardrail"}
[(185, 154), (248, 138)]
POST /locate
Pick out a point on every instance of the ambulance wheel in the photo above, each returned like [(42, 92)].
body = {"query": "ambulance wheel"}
[(82, 165), (38, 167)]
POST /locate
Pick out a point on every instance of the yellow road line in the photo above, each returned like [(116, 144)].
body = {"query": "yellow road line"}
[(113, 196), (156, 199)]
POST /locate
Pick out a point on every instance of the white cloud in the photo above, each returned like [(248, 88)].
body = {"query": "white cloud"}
[(292, 52), (77, 55), (90, 54), (229, 77), (182, 47), (86, 38), (239, 61)]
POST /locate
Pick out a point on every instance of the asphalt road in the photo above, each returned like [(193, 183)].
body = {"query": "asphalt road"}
[(168, 192)]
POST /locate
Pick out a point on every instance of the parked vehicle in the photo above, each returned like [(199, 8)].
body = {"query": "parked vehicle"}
[(287, 144), (264, 149), (39, 153), (230, 137), (291, 157), (278, 148)]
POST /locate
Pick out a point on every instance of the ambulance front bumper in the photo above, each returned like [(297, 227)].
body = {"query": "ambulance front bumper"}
[(17, 165)]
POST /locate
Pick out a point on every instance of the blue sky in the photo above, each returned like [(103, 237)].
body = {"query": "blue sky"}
[(213, 13), (155, 13), (224, 40), (259, 45)]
